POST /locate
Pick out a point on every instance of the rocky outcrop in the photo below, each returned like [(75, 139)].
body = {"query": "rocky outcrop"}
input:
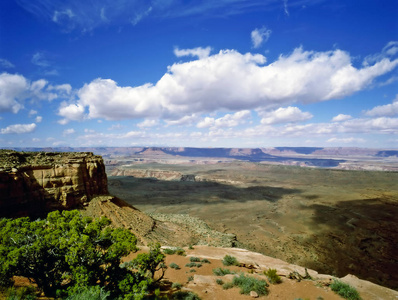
[(33, 183)]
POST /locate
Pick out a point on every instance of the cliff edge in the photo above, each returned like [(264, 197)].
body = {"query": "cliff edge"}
[(33, 183)]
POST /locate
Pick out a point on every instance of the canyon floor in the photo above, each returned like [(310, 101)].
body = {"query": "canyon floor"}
[(336, 222)]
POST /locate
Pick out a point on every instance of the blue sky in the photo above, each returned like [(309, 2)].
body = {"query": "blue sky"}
[(227, 73)]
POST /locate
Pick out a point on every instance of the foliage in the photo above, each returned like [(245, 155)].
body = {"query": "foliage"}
[(191, 265), (184, 295), (219, 281), (228, 285), (190, 278), (174, 266), (171, 251), (141, 272), (90, 293), (67, 253), (22, 293), (272, 276), (194, 259), (345, 290), (176, 285), (230, 261), (206, 261), (247, 284), (222, 272)]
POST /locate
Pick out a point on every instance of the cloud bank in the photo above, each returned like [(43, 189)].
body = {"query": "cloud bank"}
[(228, 81)]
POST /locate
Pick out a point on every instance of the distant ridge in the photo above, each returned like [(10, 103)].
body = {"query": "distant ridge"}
[(303, 156)]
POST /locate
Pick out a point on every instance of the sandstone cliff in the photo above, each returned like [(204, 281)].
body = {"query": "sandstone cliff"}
[(33, 183)]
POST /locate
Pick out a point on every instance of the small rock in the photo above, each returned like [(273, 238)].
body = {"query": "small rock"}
[(253, 294)]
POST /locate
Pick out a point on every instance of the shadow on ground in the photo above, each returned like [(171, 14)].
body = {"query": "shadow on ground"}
[(174, 192), (357, 237)]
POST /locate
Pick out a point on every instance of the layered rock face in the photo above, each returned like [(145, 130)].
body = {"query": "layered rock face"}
[(33, 183)]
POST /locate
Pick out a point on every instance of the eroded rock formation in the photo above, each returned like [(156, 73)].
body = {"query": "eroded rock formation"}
[(33, 183)]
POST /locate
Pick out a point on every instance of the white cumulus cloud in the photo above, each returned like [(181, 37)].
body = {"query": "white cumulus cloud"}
[(341, 117), (387, 110), (69, 131), (229, 120), (13, 90), (148, 123), (228, 81), (198, 52), (18, 128), (260, 36), (284, 115)]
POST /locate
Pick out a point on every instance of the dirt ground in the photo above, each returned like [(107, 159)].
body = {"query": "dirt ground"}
[(333, 221)]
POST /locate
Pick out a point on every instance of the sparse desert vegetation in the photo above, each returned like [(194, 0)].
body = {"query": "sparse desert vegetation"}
[(345, 290), (272, 276), (229, 260)]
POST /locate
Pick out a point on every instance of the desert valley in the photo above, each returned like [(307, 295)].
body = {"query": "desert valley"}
[(332, 211)]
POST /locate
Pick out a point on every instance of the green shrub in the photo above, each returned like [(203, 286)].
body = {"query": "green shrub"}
[(222, 272), (192, 270), (230, 261), (174, 266), (247, 284), (194, 259), (176, 250), (169, 251), (176, 285), (345, 290), (89, 293), (180, 251), (272, 276), (184, 295), (228, 285), (219, 281), (22, 293), (67, 254), (190, 278), (191, 265), (206, 261)]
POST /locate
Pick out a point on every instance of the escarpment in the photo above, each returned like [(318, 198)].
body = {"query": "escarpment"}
[(33, 183)]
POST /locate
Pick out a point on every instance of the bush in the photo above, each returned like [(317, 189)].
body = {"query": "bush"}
[(272, 276), (171, 251), (219, 281), (66, 253), (183, 295), (230, 261), (176, 285), (248, 284), (191, 265), (89, 293), (345, 290), (228, 285), (194, 259), (174, 266), (222, 272), (23, 293), (206, 261)]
